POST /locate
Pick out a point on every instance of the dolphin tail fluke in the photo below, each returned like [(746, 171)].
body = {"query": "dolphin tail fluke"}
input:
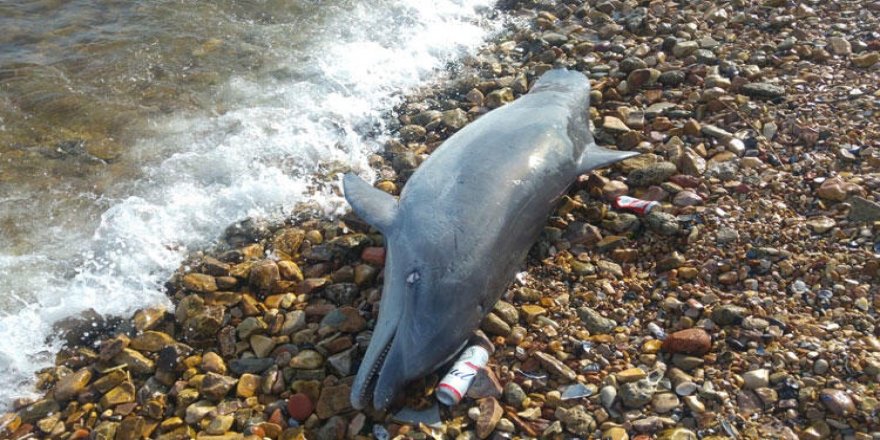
[(375, 206), (595, 156)]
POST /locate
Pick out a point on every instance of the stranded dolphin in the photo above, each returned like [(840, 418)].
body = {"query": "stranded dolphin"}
[(464, 224)]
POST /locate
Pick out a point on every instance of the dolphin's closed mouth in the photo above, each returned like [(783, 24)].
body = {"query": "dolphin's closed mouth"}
[(373, 375)]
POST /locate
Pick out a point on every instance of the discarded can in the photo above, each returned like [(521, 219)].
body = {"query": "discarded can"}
[(453, 386), (637, 206)]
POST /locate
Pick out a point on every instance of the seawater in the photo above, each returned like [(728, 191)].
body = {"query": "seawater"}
[(135, 132)]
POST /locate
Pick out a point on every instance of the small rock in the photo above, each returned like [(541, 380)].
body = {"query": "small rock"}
[(687, 198), (71, 385), (607, 396), (300, 407), (582, 233), (836, 189), (412, 133), (642, 78), (199, 282), (342, 362), (756, 378), (485, 384), (685, 48), (261, 345), (685, 362), (863, 210), (576, 420), (672, 261), (250, 326), (652, 174), (307, 360), (219, 425), (490, 415), (151, 341), (677, 434), (494, 325), (637, 394), (250, 365), (716, 132), (513, 394), (615, 433), (594, 322), (693, 341), (762, 90), (215, 386), (821, 224), (344, 319), (39, 410), (131, 428), (105, 431), (136, 362), (555, 366), (248, 384), (123, 393), (198, 410), (692, 164), (293, 322), (661, 222), (499, 97), (631, 375), (374, 256), (532, 311), (507, 312), (866, 60), (454, 119), (728, 314), (664, 402), (614, 125), (839, 46), (694, 404), (264, 276), (334, 400), (670, 78), (213, 363), (838, 402)]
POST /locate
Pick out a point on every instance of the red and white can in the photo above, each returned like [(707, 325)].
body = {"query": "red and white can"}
[(634, 205), (455, 384)]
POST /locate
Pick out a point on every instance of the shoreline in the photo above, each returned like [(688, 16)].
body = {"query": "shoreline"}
[(744, 307)]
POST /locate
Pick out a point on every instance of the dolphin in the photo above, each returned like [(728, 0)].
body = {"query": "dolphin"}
[(464, 224)]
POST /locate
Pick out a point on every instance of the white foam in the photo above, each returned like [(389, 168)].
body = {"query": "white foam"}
[(253, 160)]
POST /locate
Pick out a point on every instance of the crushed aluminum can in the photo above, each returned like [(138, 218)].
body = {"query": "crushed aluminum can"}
[(451, 389), (634, 205)]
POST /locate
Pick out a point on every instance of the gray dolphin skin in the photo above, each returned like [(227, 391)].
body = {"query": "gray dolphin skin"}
[(464, 224)]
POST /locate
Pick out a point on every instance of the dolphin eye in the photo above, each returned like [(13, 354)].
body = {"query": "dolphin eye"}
[(412, 278)]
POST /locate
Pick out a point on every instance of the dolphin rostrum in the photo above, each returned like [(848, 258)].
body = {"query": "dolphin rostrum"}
[(464, 224)]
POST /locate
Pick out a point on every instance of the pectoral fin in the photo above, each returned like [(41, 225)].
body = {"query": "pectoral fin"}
[(595, 156), (375, 206)]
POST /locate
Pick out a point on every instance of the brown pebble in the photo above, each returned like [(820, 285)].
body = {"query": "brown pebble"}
[(374, 256), (693, 341)]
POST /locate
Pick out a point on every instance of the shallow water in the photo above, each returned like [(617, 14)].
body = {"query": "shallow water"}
[(133, 132)]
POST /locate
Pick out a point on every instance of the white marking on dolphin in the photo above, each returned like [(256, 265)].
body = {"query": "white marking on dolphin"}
[(464, 224)]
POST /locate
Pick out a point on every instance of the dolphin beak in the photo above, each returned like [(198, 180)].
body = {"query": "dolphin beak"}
[(374, 364)]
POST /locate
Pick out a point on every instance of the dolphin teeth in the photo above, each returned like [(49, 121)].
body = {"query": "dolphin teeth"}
[(373, 376)]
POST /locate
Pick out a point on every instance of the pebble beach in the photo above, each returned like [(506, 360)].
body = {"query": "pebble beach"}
[(744, 306)]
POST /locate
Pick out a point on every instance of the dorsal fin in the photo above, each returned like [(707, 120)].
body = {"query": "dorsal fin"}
[(595, 156), (375, 206)]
